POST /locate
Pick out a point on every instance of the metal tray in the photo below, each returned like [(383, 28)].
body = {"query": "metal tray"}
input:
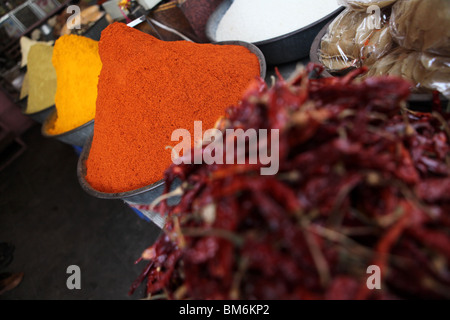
[(286, 48), (76, 137), (144, 195)]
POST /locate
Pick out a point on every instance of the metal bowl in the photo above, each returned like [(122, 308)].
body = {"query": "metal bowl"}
[(39, 116), (144, 195), (253, 49), (76, 137), (147, 194), (422, 102), (289, 47)]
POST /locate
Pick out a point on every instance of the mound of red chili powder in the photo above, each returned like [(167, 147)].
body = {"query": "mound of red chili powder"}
[(147, 89)]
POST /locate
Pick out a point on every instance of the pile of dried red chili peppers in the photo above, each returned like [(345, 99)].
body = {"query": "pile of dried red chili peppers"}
[(362, 182)]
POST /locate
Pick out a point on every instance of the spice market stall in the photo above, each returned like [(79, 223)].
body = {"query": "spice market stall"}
[(361, 177)]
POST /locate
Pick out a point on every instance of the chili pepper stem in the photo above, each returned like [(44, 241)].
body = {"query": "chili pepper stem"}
[(180, 292), (343, 240), (411, 196), (156, 296), (444, 123), (221, 233), (409, 130), (390, 219), (336, 215), (383, 249), (321, 263), (179, 234), (235, 291), (177, 192)]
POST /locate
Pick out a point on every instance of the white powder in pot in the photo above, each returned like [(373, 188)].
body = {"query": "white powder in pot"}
[(258, 20)]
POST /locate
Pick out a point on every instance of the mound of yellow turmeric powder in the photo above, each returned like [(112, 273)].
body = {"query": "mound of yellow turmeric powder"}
[(77, 65)]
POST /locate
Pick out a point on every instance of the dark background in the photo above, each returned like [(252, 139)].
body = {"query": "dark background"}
[(53, 223)]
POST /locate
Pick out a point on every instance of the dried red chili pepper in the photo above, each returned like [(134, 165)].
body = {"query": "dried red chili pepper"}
[(361, 181)]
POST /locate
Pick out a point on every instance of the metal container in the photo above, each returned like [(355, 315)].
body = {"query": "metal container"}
[(144, 195), (147, 194), (39, 116), (76, 137), (289, 47), (253, 49)]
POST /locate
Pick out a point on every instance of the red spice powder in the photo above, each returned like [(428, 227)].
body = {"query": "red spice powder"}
[(148, 88)]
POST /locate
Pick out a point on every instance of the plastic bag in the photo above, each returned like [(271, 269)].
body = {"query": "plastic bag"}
[(337, 48), (353, 40), (363, 5), (373, 43), (422, 25), (425, 70)]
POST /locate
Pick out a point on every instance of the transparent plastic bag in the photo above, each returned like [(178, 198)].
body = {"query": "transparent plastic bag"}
[(373, 43), (426, 71), (422, 25), (363, 5), (433, 73), (337, 48), (353, 39)]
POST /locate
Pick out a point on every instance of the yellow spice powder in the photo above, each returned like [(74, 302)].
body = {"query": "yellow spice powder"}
[(77, 64), (41, 78)]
